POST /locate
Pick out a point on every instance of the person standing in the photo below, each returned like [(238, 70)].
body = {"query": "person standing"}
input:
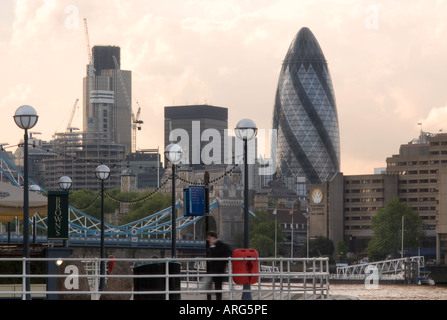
[(217, 249)]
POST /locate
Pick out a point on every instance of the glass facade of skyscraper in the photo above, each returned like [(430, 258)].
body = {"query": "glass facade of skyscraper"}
[(305, 115)]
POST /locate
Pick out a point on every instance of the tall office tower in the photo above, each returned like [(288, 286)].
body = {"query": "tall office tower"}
[(200, 131), (305, 115), (107, 97)]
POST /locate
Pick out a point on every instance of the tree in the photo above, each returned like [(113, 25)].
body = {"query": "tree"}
[(155, 203), (262, 234), (342, 248), (89, 202), (320, 246), (387, 230)]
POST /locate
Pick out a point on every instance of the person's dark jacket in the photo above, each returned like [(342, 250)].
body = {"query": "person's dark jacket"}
[(219, 250)]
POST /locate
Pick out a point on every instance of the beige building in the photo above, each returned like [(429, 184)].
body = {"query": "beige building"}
[(342, 207), (325, 209), (421, 166), (363, 196)]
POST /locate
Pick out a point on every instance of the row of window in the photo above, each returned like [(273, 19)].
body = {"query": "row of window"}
[(420, 163), (420, 190), (355, 200), (419, 181), (364, 181), (437, 143), (358, 227), (364, 190), (293, 226)]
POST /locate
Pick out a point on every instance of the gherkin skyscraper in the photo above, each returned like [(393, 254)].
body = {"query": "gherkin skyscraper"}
[(305, 115)]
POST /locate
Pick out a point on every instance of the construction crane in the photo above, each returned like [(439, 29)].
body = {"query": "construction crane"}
[(90, 68), (136, 122), (69, 127)]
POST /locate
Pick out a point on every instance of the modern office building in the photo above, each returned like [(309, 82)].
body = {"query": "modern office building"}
[(201, 132), (107, 97), (305, 115), (146, 166), (342, 208)]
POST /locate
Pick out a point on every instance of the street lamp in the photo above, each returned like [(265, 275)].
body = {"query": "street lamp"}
[(246, 130), (173, 153), (65, 184), (102, 172), (26, 117)]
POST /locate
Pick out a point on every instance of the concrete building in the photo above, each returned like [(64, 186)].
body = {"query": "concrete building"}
[(201, 132), (342, 207), (77, 154), (146, 166), (421, 167), (107, 97)]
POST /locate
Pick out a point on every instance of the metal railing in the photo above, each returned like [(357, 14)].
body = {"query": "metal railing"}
[(70, 278), (391, 267)]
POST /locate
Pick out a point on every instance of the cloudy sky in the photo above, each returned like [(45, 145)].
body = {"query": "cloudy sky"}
[(388, 61)]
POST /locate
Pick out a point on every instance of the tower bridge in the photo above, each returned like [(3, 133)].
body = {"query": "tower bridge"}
[(84, 230)]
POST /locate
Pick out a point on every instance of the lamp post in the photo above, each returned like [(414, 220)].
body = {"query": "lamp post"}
[(26, 118), (306, 215), (246, 130), (65, 184), (173, 153), (102, 172)]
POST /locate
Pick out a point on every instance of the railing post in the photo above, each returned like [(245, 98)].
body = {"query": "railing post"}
[(327, 278), (305, 277), (24, 278), (230, 278), (167, 279), (96, 279)]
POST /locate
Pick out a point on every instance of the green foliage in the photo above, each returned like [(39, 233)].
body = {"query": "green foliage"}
[(89, 202), (320, 246), (15, 268), (262, 234), (342, 248), (387, 228), (272, 202), (145, 208)]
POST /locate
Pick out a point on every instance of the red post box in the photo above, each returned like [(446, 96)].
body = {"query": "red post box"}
[(245, 266)]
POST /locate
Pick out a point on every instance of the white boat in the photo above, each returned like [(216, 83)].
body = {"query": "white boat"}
[(425, 279)]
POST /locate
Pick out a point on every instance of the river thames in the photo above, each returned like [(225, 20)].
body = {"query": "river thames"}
[(389, 292)]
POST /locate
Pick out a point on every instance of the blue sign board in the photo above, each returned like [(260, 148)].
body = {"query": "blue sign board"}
[(194, 201)]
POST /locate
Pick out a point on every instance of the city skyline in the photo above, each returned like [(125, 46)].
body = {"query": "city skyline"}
[(387, 62)]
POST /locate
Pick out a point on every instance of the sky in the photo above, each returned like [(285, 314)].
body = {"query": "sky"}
[(387, 59)]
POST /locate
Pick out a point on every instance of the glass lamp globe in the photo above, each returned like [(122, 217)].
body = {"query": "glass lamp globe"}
[(173, 152), (65, 183), (102, 172), (246, 129), (26, 117)]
